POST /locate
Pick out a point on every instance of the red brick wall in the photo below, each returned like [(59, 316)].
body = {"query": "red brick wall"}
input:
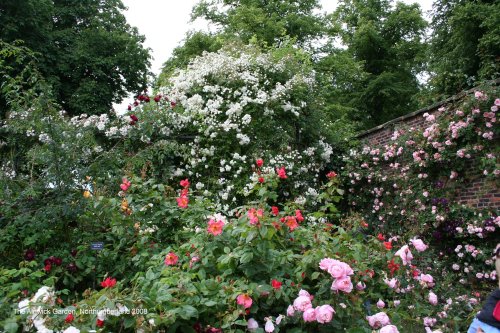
[(476, 192)]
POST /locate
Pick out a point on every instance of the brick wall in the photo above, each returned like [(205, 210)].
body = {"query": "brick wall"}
[(476, 192)]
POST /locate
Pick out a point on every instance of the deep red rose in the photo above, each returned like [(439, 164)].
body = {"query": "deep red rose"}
[(69, 318), (100, 323)]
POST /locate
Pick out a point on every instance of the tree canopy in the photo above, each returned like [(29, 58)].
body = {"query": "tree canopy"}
[(465, 46), (85, 49)]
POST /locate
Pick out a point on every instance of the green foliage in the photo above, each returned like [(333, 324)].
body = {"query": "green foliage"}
[(267, 21), (86, 50), (389, 43), (465, 45)]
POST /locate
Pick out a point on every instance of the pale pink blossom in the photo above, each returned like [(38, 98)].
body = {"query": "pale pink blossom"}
[(397, 302), (392, 283), (309, 315), (290, 311), (389, 329), (405, 254), (418, 244), (343, 284), (378, 320), (428, 321), (433, 298), (426, 280), (302, 303), (380, 304), (252, 324), (269, 326), (324, 314), (360, 286)]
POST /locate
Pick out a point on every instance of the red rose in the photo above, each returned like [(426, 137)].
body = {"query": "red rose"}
[(108, 283), (69, 318), (100, 323), (276, 284), (259, 162), (261, 180)]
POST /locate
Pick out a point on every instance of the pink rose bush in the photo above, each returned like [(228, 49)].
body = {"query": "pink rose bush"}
[(340, 271)]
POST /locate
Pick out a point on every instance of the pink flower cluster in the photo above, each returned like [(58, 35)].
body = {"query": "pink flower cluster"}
[(381, 320), (340, 271), (322, 314)]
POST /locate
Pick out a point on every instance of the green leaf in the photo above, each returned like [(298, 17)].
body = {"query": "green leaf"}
[(246, 257)]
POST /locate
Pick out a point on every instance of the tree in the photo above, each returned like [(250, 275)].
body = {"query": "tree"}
[(266, 20), (389, 43), (465, 46), (85, 49)]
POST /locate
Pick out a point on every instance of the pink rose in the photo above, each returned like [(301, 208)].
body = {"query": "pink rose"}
[(397, 302), (389, 329), (309, 315), (433, 298), (429, 322), (343, 284), (426, 280), (360, 286), (392, 283), (245, 300), (418, 244), (290, 311), (269, 327), (380, 304), (303, 292), (326, 263), (252, 324), (405, 254), (324, 314), (302, 303), (378, 320)]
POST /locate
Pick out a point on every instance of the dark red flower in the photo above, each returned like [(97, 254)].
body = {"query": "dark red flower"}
[(129, 107), (69, 318), (74, 252), (47, 268), (173, 104), (134, 117), (72, 267), (100, 323), (57, 261), (157, 98), (261, 180), (29, 255)]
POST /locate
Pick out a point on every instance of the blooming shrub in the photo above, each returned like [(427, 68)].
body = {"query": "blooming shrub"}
[(217, 212), (407, 188)]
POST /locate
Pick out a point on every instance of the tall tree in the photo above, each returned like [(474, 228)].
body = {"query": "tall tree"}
[(388, 40), (266, 20), (465, 46), (85, 49)]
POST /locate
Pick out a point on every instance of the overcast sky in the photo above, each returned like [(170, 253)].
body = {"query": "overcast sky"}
[(165, 23)]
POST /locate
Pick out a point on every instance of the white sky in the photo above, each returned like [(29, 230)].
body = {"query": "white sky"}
[(165, 23)]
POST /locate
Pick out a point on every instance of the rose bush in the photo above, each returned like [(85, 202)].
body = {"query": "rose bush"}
[(217, 211)]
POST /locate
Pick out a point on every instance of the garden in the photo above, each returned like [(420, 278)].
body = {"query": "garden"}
[(237, 195)]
